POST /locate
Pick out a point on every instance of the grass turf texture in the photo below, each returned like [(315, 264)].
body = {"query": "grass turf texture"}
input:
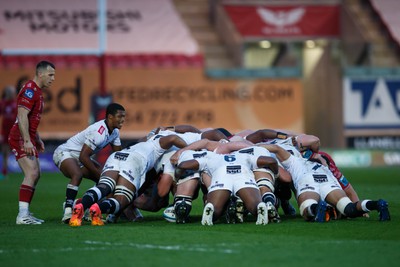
[(155, 242)]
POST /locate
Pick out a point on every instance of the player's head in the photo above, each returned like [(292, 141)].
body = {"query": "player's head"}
[(45, 74), (115, 115), (113, 109)]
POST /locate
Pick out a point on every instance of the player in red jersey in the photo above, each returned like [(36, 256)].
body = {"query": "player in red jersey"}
[(8, 111), (24, 139)]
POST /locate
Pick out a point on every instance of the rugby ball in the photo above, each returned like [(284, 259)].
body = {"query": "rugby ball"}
[(169, 214)]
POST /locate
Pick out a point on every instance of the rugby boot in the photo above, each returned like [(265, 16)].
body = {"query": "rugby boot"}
[(231, 211), (95, 215), (239, 211), (77, 214), (383, 209), (208, 214), (273, 215), (262, 214), (321, 209)]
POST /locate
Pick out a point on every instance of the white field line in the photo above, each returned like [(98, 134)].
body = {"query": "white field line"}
[(104, 246)]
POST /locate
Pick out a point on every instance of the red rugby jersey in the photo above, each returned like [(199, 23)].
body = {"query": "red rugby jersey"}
[(31, 98)]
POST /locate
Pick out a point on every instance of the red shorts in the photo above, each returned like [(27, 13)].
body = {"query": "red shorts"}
[(17, 147)]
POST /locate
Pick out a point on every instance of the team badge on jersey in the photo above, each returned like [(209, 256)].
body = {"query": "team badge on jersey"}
[(101, 129), (29, 93)]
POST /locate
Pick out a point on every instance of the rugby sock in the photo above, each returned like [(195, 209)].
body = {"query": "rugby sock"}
[(269, 197), (312, 210), (71, 193), (26, 193), (367, 205), (25, 197), (109, 206), (90, 197)]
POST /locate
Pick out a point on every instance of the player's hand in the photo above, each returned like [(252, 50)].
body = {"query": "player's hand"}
[(29, 148), (174, 158), (40, 145), (366, 215)]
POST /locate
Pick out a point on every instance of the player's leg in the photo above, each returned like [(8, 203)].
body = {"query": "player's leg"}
[(70, 169), (124, 195), (105, 186), (311, 207), (217, 200), (31, 170), (344, 205), (185, 191)]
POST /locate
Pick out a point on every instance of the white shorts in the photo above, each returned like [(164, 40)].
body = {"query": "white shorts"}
[(131, 166), (231, 182), (319, 183), (61, 154)]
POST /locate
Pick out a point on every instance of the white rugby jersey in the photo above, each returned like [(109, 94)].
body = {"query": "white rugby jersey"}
[(226, 164), (286, 144), (96, 136), (255, 151), (150, 150), (299, 167)]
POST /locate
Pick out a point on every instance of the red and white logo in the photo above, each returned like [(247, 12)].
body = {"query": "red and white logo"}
[(101, 129), (282, 21), (281, 18)]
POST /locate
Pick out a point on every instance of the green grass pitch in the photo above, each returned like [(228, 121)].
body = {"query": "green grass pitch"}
[(155, 242)]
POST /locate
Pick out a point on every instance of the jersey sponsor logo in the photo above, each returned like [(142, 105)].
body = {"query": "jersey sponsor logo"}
[(29, 93), (233, 169), (320, 178), (121, 156), (101, 129)]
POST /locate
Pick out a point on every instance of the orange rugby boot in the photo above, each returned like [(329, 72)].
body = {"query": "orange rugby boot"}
[(77, 214), (95, 214)]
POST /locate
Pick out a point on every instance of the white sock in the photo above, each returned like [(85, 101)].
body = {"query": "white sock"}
[(23, 208), (364, 205)]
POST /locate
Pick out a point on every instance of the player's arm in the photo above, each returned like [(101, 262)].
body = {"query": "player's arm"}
[(23, 125), (226, 148), (269, 163), (214, 135), (182, 128), (264, 134), (186, 165), (166, 142), (280, 153), (198, 145), (306, 141), (84, 158)]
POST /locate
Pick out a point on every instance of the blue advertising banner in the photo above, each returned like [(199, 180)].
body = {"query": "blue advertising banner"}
[(371, 103)]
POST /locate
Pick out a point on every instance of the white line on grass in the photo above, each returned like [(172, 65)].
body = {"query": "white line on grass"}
[(195, 247), (105, 246)]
